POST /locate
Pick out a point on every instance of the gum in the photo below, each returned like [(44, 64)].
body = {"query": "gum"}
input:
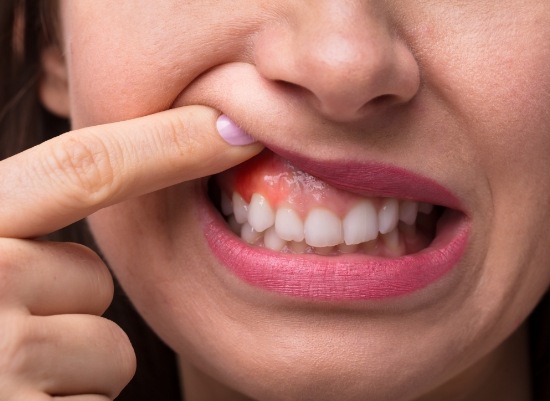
[(282, 184)]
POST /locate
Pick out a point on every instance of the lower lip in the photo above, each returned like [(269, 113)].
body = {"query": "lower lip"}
[(352, 277)]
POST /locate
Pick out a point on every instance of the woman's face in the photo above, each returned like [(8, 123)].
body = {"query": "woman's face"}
[(446, 103)]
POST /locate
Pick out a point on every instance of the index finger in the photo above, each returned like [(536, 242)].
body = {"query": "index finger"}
[(75, 174)]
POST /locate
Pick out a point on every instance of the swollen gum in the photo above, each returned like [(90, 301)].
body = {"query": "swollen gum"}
[(282, 184)]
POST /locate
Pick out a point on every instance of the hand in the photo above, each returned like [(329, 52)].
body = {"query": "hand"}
[(53, 343)]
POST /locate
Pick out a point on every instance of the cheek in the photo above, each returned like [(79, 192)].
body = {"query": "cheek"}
[(138, 234), (102, 89), (124, 66), (493, 75), (155, 247), (491, 69)]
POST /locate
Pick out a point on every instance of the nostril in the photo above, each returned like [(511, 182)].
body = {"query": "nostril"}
[(377, 104), (292, 89), (383, 100), (339, 63)]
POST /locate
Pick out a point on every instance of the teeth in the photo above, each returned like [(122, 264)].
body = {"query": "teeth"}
[(234, 225), (272, 240), (344, 248), (371, 248), (240, 208), (407, 229), (325, 250), (322, 228), (408, 211), (260, 213), (425, 208), (391, 239), (227, 206), (363, 228), (297, 247), (394, 245), (388, 216), (361, 223), (249, 234), (288, 225)]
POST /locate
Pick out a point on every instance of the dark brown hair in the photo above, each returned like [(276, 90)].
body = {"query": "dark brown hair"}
[(26, 27), (23, 122)]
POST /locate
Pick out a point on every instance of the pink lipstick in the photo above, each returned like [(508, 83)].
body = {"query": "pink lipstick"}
[(354, 276)]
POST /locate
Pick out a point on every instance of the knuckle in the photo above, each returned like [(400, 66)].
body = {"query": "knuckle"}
[(6, 275), (12, 258), (84, 167), (15, 342)]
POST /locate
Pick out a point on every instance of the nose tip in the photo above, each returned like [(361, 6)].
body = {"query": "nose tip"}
[(345, 67)]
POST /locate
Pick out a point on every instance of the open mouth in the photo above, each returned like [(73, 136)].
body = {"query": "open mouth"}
[(343, 232), (270, 203)]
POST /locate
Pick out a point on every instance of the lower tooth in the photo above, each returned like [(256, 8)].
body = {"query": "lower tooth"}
[(394, 246), (234, 225), (370, 247), (297, 247), (272, 240), (391, 239), (249, 234), (325, 250), (344, 248)]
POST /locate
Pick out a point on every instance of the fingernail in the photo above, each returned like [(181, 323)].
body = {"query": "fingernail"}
[(231, 132)]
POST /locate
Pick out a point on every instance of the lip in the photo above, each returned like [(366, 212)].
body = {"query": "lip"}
[(374, 179), (349, 277)]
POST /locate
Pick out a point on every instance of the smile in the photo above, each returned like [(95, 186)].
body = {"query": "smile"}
[(333, 231)]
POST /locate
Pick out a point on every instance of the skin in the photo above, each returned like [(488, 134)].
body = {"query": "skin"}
[(454, 91)]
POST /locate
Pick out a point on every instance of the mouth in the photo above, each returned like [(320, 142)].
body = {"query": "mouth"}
[(333, 231)]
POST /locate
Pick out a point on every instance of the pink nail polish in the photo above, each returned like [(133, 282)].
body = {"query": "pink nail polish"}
[(231, 132)]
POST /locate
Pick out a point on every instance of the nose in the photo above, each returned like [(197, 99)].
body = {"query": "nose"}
[(343, 56)]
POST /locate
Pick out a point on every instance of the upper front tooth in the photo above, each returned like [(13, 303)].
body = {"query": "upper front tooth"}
[(388, 215), (240, 208), (322, 228), (289, 225), (260, 213), (408, 211), (361, 223)]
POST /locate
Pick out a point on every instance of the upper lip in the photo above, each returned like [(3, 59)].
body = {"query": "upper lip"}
[(367, 178), (373, 179)]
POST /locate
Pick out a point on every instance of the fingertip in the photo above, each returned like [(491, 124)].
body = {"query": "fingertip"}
[(232, 133)]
